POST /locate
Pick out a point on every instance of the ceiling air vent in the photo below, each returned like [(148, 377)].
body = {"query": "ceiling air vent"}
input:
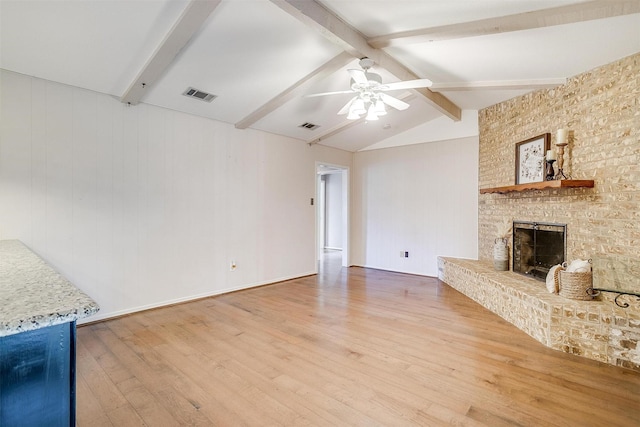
[(198, 94), (309, 126)]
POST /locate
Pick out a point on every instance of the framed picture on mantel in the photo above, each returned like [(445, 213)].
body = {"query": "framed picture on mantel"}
[(530, 155)]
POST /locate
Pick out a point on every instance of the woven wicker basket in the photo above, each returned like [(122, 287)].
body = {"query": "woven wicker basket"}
[(575, 285)]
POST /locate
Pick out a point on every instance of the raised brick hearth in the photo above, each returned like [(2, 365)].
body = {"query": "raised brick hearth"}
[(595, 329)]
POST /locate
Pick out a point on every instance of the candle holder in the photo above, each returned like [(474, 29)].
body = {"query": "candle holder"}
[(550, 172), (561, 142), (560, 174)]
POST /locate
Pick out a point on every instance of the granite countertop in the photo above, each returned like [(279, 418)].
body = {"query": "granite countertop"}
[(33, 295)]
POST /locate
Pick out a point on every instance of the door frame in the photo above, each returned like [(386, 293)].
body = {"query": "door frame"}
[(320, 169)]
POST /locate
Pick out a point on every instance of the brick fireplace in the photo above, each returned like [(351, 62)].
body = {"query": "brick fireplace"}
[(601, 110)]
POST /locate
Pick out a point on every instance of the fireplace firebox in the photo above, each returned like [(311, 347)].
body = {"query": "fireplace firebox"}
[(537, 247)]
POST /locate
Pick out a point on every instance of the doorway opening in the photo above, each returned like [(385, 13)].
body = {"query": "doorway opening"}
[(332, 215)]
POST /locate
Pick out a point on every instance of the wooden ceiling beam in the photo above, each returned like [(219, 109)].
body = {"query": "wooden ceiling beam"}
[(579, 12), (350, 40), (532, 84), (298, 89), (192, 18)]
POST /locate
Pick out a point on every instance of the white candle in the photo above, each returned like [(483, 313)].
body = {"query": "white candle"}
[(551, 154), (561, 136)]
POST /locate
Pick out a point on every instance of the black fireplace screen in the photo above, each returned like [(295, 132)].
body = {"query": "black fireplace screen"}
[(537, 247)]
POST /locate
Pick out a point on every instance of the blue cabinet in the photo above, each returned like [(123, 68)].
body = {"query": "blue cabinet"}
[(37, 377)]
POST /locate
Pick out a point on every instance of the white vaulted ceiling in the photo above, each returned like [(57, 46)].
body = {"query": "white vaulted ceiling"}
[(260, 56)]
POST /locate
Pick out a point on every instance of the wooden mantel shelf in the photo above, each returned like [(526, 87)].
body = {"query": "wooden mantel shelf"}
[(564, 183)]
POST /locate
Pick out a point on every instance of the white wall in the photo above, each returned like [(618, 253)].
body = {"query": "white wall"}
[(439, 129), (143, 206), (419, 198), (333, 205)]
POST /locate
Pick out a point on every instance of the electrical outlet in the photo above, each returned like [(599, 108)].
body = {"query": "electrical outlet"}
[(406, 254), (233, 266)]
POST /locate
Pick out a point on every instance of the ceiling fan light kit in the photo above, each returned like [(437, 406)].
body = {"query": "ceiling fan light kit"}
[(357, 107), (369, 98), (353, 116), (371, 113)]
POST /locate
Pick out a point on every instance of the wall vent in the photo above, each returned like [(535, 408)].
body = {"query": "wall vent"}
[(309, 126), (198, 94)]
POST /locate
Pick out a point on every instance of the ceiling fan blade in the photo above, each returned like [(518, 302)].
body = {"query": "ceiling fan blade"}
[(408, 84), (393, 102), (358, 76), (345, 109), (327, 93)]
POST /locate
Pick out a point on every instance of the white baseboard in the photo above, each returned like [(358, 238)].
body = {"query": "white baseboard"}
[(413, 273), (110, 315)]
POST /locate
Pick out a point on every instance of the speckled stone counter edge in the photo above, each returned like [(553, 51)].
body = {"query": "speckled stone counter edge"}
[(33, 295)]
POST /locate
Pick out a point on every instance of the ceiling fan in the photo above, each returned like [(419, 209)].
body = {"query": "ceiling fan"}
[(370, 98)]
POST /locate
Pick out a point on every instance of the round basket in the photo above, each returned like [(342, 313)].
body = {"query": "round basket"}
[(575, 285)]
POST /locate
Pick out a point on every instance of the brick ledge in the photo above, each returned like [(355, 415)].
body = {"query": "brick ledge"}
[(595, 329)]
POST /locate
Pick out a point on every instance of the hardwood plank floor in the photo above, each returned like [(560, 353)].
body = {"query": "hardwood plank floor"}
[(346, 347)]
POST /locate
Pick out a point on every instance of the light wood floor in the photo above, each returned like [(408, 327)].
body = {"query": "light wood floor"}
[(348, 347)]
